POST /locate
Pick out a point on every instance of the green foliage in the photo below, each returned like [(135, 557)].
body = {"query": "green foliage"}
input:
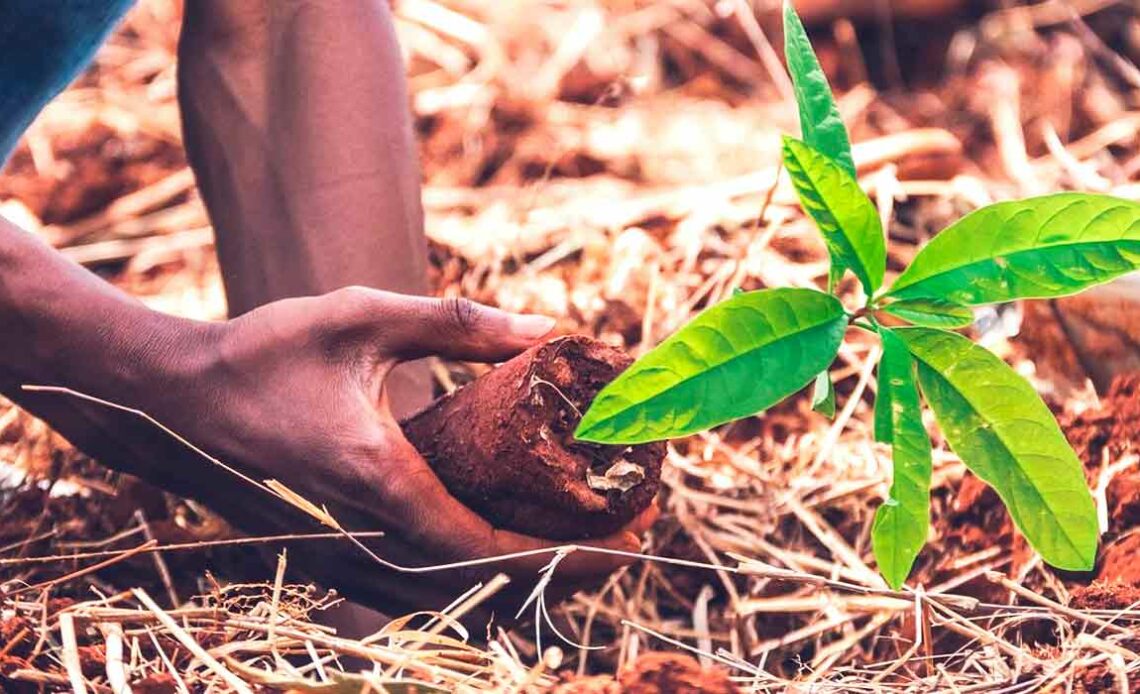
[(823, 395), (1025, 249), (844, 214), (820, 124), (739, 357), (901, 523), (1000, 428), (931, 313), (754, 349)]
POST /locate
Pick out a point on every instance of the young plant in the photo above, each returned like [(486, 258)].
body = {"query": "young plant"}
[(754, 349)]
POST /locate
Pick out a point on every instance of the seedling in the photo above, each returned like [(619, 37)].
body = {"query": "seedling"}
[(754, 349)]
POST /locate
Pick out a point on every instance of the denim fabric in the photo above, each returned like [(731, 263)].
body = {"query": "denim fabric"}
[(43, 46)]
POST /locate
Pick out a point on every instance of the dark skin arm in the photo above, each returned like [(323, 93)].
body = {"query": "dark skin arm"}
[(292, 391), (307, 167)]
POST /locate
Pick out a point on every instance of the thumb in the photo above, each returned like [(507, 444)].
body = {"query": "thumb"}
[(417, 326)]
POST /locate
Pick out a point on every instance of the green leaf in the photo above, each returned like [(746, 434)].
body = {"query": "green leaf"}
[(903, 520), (823, 395), (820, 123), (736, 358), (1000, 428), (844, 214), (931, 313), (1041, 247)]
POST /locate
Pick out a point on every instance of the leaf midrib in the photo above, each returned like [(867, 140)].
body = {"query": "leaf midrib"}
[(740, 355), (990, 259), (863, 272), (1005, 445)]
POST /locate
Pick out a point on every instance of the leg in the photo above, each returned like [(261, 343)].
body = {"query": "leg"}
[(298, 129)]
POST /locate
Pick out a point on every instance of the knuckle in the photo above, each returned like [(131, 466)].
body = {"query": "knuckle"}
[(461, 315), (353, 292), (349, 319), (349, 303)]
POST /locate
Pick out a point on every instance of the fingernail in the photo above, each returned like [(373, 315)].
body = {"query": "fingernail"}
[(531, 327)]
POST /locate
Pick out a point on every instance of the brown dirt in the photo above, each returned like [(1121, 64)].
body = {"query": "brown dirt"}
[(504, 444), (1118, 561), (158, 683), (664, 673), (92, 660), (1108, 434), (1099, 678), (1100, 595), (95, 166), (1092, 335), (8, 665), (654, 673), (15, 633)]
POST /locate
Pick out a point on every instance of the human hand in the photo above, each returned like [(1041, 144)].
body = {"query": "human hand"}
[(294, 391)]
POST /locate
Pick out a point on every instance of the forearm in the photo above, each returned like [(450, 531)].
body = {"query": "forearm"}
[(297, 125), (61, 325)]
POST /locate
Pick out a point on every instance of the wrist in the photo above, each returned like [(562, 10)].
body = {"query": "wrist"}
[(124, 352)]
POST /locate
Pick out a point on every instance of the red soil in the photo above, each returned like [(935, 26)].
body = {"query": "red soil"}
[(95, 166), (504, 445), (654, 673), (1106, 435), (1099, 595), (158, 683)]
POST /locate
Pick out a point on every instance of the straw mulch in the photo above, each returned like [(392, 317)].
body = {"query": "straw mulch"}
[(613, 164)]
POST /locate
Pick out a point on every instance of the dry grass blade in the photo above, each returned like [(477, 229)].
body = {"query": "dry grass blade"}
[(193, 646)]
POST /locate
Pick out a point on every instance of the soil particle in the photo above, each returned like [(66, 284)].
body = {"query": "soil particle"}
[(1101, 678), (978, 520), (597, 684), (1101, 595), (1092, 335), (157, 683), (1118, 561), (664, 673), (1106, 435), (654, 673), (93, 661), (8, 665), (504, 445), (16, 636)]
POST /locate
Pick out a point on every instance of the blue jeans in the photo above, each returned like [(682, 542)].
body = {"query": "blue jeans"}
[(43, 46)]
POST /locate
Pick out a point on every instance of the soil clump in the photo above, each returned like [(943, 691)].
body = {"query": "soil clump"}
[(504, 445)]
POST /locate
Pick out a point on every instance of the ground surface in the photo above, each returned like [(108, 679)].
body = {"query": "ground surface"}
[(614, 164)]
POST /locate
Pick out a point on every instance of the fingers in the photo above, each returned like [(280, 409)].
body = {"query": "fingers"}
[(423, 516), (581, 563), (410, 327), (430, 517)]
